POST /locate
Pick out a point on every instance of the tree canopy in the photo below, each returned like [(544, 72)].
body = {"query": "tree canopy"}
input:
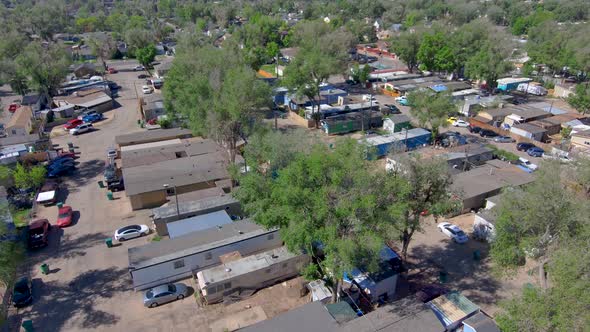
[(431, 109)]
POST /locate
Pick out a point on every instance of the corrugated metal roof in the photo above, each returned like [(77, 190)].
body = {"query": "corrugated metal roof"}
[(400, 136), (452, 307), (198, 223)]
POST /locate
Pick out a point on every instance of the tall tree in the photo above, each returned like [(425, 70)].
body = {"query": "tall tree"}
[(46, 66), (489, 64), (406, 47), (436, 53), (581, 99), (323, 197), (431, 109), (104, 47), (425, 189), (146, 55), (215, 92), (322, 52)]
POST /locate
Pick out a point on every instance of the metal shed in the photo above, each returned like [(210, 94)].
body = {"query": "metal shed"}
[(198, 223), (404, 140)]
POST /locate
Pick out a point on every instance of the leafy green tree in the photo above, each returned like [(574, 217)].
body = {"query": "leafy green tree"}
[(215, 92), (137, 38), (29, 178), (45, 66), (436, 53), (489, 64), (146, 55), (406, 46), (104, 47), (431, 109), (325, 196), (322, 52), (581, 99), (422, 186), (19, 84)]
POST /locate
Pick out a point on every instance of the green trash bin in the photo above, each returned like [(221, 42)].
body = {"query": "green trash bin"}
[(59, 204), (101, 184), (110, 195), (109, 242), (443, 276), (44, 268), (28, 325)]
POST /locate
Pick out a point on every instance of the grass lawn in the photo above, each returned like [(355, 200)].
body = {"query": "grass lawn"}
[(21, 217), (269, 69)]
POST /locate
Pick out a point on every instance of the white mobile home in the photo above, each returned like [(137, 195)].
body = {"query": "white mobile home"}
[(249, 273), (166, 261)]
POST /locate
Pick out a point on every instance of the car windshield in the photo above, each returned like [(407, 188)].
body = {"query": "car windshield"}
[(460, 233), (149, 294), (63, 215), (129, 228), (172, 288)]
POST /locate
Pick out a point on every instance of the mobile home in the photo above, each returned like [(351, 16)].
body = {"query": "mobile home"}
[(401, 141), (350, 122), (166, 261), (249, 274)]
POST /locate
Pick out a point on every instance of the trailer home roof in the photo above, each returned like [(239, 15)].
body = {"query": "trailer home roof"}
[(400, 136), (190, 244), (244, 265)]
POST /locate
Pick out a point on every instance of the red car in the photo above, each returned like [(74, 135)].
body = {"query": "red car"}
[(38, 233), (112, 70), (64, 216), (73, 124), (13, 107), (67, 154)]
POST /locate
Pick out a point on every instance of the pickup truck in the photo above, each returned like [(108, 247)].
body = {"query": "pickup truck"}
[(48, 193), (38, 233)]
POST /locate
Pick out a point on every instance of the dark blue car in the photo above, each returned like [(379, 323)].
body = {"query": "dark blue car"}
[(535, 152), (60, 162), (91, 118), (60, 170)]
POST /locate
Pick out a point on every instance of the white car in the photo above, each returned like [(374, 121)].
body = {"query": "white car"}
[(85, 127), (401, 98), (526, 163), (111, 153), (138, 68), (131, 231), (453, 231), (146, 89), (460, 123), (562, 158)]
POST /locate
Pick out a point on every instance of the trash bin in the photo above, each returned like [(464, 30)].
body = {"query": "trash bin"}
[(109, 242), (442, 276), (110, 195), (28, 325), (59, 204), (100, 184), (476, 255), (44, 268)]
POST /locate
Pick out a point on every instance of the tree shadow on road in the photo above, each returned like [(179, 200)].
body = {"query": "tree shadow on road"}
[(87, 171), (57, 302), (465, 272), (64, 246)]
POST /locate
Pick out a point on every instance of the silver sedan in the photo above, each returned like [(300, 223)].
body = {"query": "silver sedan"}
[(504, 139), (164, 294)]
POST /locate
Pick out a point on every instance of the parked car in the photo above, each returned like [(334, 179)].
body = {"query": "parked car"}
[(112, 70), (38, 233), (461, 123), (403, 100), (451, 119), (131, 231), (164, 294), (60, 162), (527, 164), (86, 113), (48, 193), (110, 173), (64, 216), (116, 185), (111, 153), (504, 139), (562, 158), (13, 107), (142, 76), (474, 129), (80, 129), (22, 292), (64, 154), (453, 231), (392, 109), (487, 133), (73, 124), (524, 146), (60, 170), (146, 89), (91, 118), (535, 152), (138, 68)]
